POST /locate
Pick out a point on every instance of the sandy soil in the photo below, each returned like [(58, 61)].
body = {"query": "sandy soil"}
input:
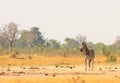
[(56, 70)]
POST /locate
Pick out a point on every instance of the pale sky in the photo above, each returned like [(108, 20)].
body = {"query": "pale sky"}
[(99, 20)]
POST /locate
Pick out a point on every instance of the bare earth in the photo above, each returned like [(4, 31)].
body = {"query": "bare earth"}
[(74, 71), (58, 70)]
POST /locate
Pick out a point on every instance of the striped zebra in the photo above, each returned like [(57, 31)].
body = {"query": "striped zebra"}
[(89, 56)]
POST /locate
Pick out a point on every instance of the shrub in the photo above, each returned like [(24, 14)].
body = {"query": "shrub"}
[(111, 58), (30, 57), (14, 56)]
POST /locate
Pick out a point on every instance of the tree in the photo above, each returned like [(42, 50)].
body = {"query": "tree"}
[(10, 33), (91, 45), (101, 48), (3, 42), (117, 42), (71, 43), (54, 44), (80, 38), (32, 38), (37, 36)]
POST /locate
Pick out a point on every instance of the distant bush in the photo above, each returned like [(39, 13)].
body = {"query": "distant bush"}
[(30, 57), (14, 55), (111, 58)]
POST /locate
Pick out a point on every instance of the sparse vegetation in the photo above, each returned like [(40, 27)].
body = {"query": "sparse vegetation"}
[(111, 58), (30, 57), (32, 48), (33, 41), (51, 60)]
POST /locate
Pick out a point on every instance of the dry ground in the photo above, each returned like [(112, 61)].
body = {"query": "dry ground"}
[(57, 70), (60, 74)]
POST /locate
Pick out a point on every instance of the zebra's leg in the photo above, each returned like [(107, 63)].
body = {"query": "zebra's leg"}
[(92, 64), (89, 63), (85, 64)]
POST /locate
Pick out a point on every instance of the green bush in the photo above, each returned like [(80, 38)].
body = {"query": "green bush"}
[(111, 58)]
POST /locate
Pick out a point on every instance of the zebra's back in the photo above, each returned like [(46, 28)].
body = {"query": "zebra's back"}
[(92, 53)]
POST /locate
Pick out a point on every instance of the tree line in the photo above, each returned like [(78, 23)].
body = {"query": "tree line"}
[(12, 40)]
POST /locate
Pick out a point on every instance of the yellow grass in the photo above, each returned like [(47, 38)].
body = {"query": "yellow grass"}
[(60, 79), (39, 60), (49, 60)]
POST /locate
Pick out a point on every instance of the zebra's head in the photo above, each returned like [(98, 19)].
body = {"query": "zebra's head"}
[(83, 46)]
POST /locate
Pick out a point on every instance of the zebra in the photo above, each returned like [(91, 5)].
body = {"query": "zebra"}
[(89, 55)]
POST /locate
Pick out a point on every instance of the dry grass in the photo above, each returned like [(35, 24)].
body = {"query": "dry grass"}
[(49, 60), (39, 60), (60, 79)]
